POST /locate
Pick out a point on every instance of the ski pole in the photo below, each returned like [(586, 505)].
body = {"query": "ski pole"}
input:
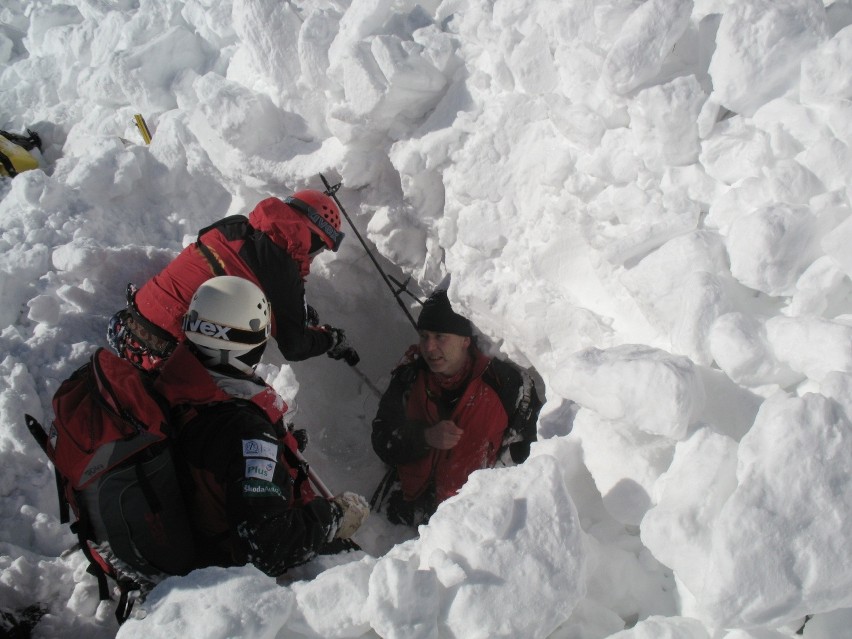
[(367, 381), (315, 479), (332, 191)]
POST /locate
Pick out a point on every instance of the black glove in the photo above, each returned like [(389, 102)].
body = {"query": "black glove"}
[(340, 347), (301, 437), (312, 315)]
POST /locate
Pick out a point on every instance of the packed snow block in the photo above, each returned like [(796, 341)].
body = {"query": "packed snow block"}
[(688, 498), (211, 20), (658, 627), (46, 23), (531, 63), (361, 19), (740, 347), (759, 46), (678, 291), (148, 74), (224, 602), (102, 264), (344, 586), (625, 222), (826, 72), (507, 552), (823, 289), (231, 119), (19, 396), (20, 265), (268, 35), (838, 386), (624, 462), (44, 309), (595, 619), (396, 235), (664, 122), (568, 452), (793, 126), (390, 77), (788, 181), (624, 577), (736, 150), (730, 408), (404, 602), (829, 159), (781, 545), (363, 82), (765, 633), (836, 245), (706, 300), (772, 246), (639, 386), (315, 37), (646, 39), (813, 346), (619, 169), (6, 48)]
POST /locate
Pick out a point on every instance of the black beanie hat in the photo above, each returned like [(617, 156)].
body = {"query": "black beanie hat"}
[(438, 316)]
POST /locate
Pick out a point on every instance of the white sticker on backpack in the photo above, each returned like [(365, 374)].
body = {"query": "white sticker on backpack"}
[(260, 469), (260, 448)]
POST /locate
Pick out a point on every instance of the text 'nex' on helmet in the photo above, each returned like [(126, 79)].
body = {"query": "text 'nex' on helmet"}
[(322, 215)]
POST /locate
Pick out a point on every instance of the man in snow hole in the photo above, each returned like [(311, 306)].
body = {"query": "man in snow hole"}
[(449, 410), (249, 497), (273, 248)]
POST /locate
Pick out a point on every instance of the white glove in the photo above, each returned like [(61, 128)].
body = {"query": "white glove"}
[(355, 511)]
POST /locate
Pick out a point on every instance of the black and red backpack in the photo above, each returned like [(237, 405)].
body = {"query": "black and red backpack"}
[(111, 448)]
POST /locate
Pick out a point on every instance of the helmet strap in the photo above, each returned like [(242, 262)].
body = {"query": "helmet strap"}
[(227, 362)]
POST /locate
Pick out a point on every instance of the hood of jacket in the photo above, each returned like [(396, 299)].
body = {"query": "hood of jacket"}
[(286, 227), (184, 380)]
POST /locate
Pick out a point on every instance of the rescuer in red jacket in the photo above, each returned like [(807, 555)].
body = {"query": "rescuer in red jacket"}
[(248, 495), (273, 248), (448, 411)]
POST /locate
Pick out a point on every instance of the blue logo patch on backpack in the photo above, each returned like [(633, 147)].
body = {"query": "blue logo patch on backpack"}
[(110, 445)]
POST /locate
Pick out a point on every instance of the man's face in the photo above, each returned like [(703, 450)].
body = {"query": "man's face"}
[(445, 353)]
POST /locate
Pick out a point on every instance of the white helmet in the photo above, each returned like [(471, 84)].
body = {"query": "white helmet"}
[(229, 321)]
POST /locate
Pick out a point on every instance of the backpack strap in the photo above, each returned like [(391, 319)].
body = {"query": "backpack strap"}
[(84, 532), (148, 491), (27, 142), (39, 434), (213, 260), (81, 527), (7, 164)]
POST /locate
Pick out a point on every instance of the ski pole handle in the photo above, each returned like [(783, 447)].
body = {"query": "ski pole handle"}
[(332, 191)]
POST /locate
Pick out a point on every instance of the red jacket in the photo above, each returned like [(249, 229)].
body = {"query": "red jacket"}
[(270, 248), (485, 409)]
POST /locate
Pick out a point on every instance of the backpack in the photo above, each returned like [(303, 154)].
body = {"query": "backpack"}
[(110, 445), (14, 152)]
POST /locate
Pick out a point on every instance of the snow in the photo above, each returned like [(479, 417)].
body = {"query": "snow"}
[(645, 202)]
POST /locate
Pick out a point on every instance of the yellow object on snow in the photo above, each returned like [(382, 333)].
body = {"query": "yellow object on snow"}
[(15, 159), (143, 128)]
